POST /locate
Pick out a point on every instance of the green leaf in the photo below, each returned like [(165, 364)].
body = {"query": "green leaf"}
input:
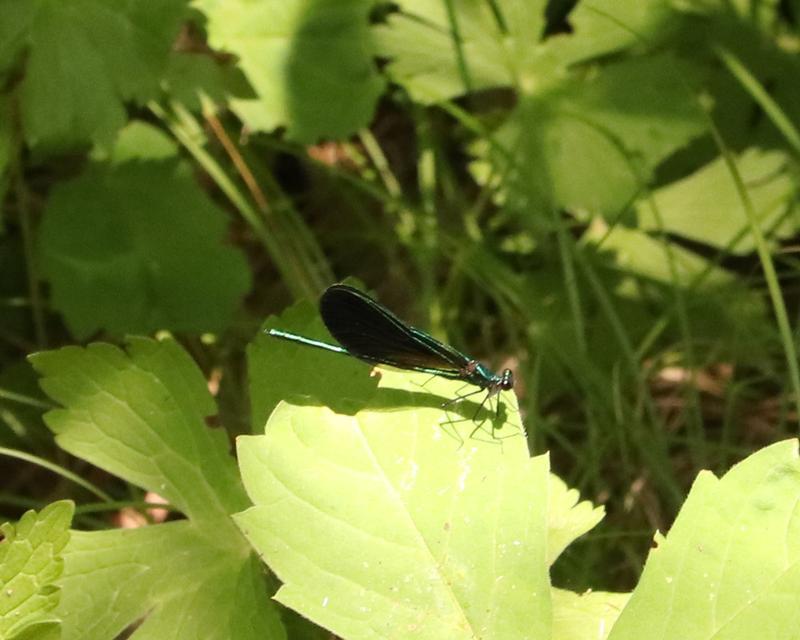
[(605, 27), (577, 616), (707, 207), (729, 568), (182, 581), (141, 415), (389, 520), (639, 253), (579, 138), (307, 60), (380, 525), (30, 565), (437, 57), (136, 248), (589, 143), (434, 65), (107, 53)]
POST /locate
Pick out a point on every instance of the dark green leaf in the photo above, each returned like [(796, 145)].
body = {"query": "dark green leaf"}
[(136, 248)]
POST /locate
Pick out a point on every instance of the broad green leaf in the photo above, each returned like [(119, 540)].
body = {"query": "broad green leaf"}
[(308, 61), (390, 520), (707, 207), (729, 569), (138, 247), (589, 143), (500, 44), (639, 253), (140, 414), (48, 630), (381, 526), (107, 52), (30, 564), (579, 616), (649, 123), (604, 27), (183, 582), (433, 64), (578, 139)]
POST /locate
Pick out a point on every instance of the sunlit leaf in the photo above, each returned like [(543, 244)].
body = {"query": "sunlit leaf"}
[(30, 565), (729, 569), (708, 207), (140, 414), (307, 60)]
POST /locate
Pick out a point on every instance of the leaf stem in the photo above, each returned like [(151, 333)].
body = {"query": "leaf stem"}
[(57, 469), (26, 226)]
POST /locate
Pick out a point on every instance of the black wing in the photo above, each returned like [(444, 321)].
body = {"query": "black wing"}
[(371, 332)]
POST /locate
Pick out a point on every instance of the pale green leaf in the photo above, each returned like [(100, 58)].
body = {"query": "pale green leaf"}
[(181, 581), (433, 64), (138, 247), (604, 27), (729, 569), (436, 56), (141, 414), (584, 616), (707, 207), (46, 630), (30, 564), (639, 253), (381, 526), (308, 61)]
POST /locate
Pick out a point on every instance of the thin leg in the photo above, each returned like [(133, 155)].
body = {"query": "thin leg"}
[(422, 386), (475, 416), (452, 422), (459, 398)]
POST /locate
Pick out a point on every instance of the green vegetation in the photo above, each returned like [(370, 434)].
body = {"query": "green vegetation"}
[(602, 195)]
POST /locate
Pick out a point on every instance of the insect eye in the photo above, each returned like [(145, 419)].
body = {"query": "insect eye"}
[(507, 382)]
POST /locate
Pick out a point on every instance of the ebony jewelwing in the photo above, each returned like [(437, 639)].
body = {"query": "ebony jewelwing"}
[(370, 332)]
